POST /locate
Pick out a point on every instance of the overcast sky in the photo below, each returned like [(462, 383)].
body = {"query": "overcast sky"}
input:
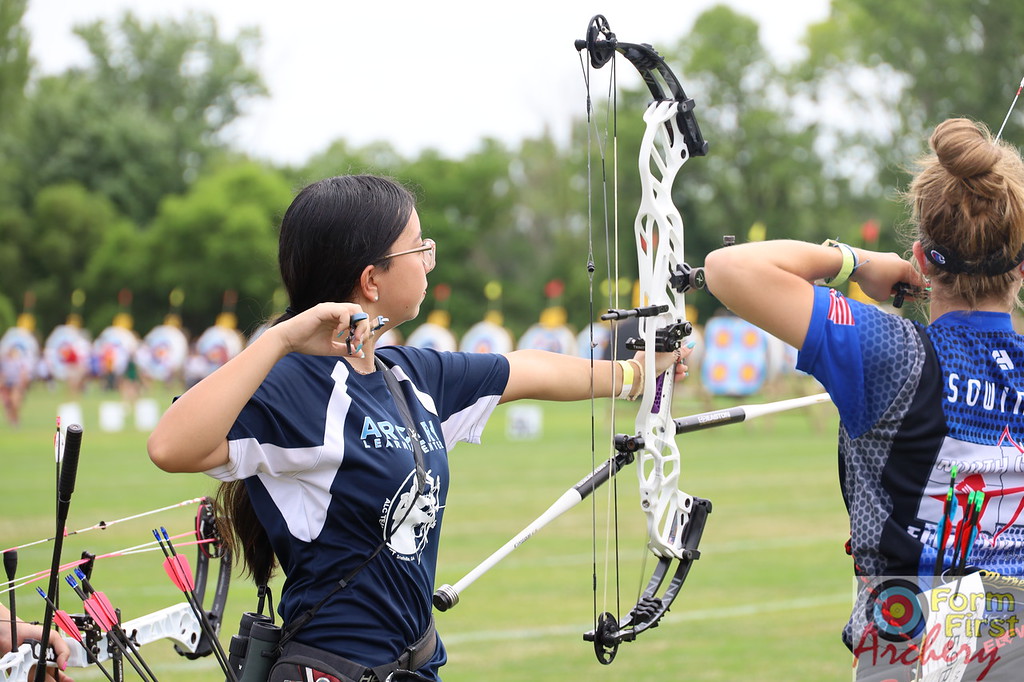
[(440, 73)]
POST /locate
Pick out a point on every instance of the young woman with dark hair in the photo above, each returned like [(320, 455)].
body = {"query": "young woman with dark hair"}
[(319, 472)]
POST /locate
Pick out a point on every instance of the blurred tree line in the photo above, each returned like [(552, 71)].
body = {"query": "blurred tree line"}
[(114, 175)]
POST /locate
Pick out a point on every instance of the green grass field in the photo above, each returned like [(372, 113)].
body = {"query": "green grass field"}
[(766, 601)]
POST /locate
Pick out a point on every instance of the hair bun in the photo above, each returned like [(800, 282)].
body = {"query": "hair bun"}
[(964, 149)]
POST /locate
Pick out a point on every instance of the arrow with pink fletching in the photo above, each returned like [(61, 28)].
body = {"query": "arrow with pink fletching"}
[(179, 571), (70, 627), (99, 608)]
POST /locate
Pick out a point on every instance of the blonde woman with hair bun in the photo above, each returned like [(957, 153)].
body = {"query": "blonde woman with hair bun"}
[(931, 415)]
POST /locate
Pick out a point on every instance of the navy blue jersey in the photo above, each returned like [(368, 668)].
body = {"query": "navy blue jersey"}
[(330, 470)]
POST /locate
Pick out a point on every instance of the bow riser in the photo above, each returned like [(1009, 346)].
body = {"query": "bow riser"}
[(658, 229), (675, 519)]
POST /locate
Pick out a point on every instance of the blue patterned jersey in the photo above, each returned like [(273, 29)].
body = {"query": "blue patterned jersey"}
[(329, 467), (913, 402)]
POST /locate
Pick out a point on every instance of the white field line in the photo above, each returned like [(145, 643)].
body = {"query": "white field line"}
[(702, 615)]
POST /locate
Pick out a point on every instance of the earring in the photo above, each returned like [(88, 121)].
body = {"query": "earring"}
[(376, 297)]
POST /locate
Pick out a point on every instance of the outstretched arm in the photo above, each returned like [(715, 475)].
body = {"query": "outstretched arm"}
[(542, 375), (770, 283), (192, 435)]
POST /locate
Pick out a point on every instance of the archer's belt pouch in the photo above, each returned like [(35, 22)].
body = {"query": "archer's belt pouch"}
[(304, 663)]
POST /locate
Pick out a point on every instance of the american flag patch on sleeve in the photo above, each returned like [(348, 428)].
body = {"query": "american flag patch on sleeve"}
[(839, 309)]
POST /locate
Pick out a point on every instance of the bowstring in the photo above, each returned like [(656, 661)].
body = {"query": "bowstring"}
[(613, 302), (24, 580), (103, 525), (611, 246)]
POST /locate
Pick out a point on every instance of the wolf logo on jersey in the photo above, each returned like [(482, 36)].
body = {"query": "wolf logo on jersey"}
[(408, 539)]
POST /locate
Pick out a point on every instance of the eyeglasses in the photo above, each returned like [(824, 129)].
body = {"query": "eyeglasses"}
[(429, 251)]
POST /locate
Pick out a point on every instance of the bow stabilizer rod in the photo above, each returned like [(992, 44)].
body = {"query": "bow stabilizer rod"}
[(447, 596), (740, 413), (11, 569), (65, 487), (729, 415), (1010, 110)]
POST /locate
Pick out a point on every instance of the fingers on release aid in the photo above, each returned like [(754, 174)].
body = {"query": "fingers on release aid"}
[(352, 324)]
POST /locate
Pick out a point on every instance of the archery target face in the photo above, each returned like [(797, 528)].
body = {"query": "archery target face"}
[(432, 336), (735, 357), (552, 339), (896, 609), (162, 353), (219, 344), (19, 351), (486, 337), (113, 348), (67, 352)]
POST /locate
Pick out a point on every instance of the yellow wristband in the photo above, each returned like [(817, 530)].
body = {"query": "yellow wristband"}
[(849, 264), (627, 379), (638, 381)]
